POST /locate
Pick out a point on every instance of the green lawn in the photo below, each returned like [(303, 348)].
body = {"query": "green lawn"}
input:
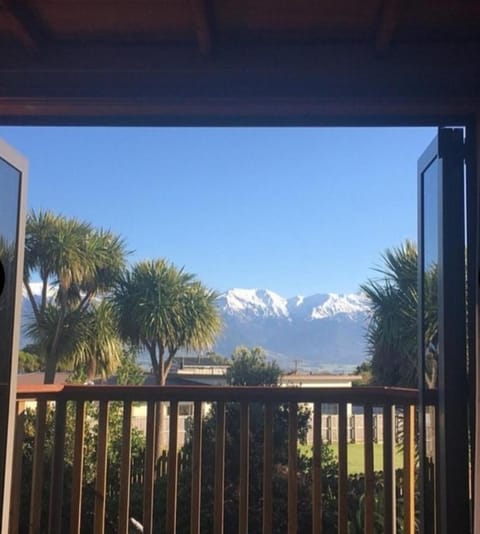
[(355, 457)]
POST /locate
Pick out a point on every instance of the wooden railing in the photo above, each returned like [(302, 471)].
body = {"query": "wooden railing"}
[(64, 407)]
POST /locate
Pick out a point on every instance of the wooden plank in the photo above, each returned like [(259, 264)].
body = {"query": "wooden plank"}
[(15, 500), (317, 470), (292, 468), (172, 475), (125, 469), (101, 470), (371, 394), (58, 469), (196, 488), (409, 470), (37, 468), (202, 26), (30, 28), (388, 470), (389, 17), (149, 468), (369, 470), (267, 470), (244, 469), (342, 470), (218, 507), (77, 474)]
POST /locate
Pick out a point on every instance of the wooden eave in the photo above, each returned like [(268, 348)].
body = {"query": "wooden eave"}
[(231, 61)]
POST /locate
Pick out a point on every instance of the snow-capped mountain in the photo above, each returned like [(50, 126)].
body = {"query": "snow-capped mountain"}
[(318, 329), (265, 303), (253, 302)]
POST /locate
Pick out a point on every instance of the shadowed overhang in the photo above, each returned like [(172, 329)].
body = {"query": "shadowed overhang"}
[(236, 61)]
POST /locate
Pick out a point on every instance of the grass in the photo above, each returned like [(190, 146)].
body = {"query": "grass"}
[(355, 456)]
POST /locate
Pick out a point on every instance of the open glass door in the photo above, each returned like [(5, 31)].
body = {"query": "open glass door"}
[(12, 236), (442, 371)]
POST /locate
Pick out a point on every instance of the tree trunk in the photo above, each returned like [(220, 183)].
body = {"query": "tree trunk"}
[(91, 370), (160, 421), (51, 363), (50, 369), (161, 432)]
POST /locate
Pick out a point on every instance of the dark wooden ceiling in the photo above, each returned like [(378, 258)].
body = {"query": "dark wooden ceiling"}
[(225, 58)]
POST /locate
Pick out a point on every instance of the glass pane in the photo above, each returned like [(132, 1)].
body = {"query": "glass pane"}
[(431, 188), (430, 263), (9, 200)]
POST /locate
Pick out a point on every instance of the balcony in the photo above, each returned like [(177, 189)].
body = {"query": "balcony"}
[(59, 486)]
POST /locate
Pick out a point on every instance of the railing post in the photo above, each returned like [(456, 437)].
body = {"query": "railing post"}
[(58, 464), (17, 469), (101, 481), (409, 469), (149, 466), (267, 469), (343, 469), (389, 469), (125, 469), (292, 467), (219, 469), (196, 487), (77, 476), (369, 470), (317, 470), (38, 467), (244, 468), (172, 473)]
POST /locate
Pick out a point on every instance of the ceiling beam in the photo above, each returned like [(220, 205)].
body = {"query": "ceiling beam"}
[(203, 26), (29, 28), (389, 18), (239, 112)]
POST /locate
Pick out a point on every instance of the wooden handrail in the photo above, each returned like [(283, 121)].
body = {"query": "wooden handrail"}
[(376, 395)]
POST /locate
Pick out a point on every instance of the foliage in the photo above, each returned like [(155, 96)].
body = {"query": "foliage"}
[(81, 262), (163, 309), (364, 372), (392, 332), (249, 367), (28, 362), (128, 371), (89, 470), (216, 358)]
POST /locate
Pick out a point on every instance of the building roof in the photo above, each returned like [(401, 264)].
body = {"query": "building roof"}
[(188, 379), (37, 378)]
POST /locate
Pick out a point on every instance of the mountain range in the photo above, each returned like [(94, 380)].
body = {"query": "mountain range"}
[(320, 330), (317, 331)]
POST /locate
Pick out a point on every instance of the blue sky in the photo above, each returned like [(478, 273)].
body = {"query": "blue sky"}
[(295, 210)]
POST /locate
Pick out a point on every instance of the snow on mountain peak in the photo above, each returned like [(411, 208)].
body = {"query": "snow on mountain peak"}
[(334, 304), (266, 303), (321, 328), (259, 302)]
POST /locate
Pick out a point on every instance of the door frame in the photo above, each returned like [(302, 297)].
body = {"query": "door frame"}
[(367, 114), (8, 401)]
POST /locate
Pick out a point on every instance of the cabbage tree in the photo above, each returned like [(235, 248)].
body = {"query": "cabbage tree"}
[(74, 263)]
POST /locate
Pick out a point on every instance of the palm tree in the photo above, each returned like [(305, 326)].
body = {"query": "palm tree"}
[(81, 263), (392, 331), (88, 342), (162, 308)]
